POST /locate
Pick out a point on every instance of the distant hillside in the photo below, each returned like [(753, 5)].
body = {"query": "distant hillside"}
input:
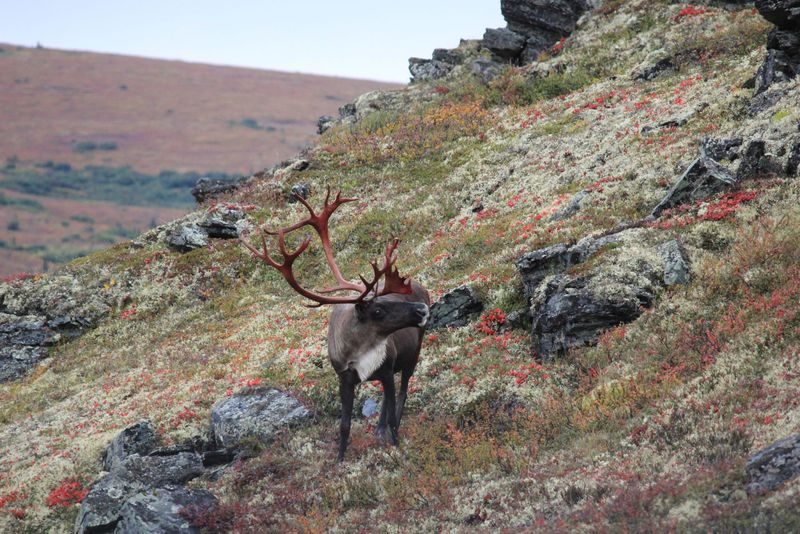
[(102, 129), (84, 108)]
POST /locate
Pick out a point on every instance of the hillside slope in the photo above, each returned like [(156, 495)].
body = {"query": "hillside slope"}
[(541, 424)]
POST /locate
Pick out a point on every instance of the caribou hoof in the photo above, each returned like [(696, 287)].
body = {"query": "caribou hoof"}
[(386, 436)]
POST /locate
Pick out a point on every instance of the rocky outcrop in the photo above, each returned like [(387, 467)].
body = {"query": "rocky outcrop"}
[(136, 439), (571, 308), (571, 312), (783, 43), (774, 465), (142, 485), (186, 238), (703, 178), (256, 413), (721, 149), (456, 308), (37, 314), (220, 222), (208, 188), (24, 341), (537, 25)]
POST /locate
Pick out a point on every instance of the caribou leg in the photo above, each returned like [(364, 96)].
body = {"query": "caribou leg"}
[(347, 392)]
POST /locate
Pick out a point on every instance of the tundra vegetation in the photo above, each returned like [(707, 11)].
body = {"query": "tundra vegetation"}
[(647, 430)]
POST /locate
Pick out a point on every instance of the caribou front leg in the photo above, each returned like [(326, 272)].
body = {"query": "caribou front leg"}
[(347, 391), (388, 418)]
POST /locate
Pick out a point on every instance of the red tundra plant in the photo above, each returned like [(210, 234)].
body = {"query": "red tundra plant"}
[(690, 11), (17, 277), (69, 492), (491, 321)]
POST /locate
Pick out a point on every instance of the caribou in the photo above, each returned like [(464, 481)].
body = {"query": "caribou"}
[(373, 333)]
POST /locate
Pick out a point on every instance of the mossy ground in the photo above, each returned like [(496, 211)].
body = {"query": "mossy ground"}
[(649, 430)]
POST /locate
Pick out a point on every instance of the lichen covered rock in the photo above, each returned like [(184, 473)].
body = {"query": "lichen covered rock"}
[(256, 413)]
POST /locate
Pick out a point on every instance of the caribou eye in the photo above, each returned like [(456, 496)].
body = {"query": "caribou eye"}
[(377, 312)]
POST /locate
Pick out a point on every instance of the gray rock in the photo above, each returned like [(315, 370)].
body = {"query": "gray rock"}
[(136, 439), (676, 263), (660, 68), (535, 266), (784, 14), (324, 123), (299, 190), (207, 188), (793, 163), (220, 222), (157, 471), (371, 407), (455, 309), (24, 341), (504, 43), (572, 207), (718, 149), (427, 69), (485, 69), (170, 510), (258, 413), (772, 466), (558, 17), (566, 314), (187, 237), (447, 55), (703, 178), (99, 511)]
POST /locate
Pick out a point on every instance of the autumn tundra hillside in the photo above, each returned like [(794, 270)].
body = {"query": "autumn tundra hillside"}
[(104, 130), (602, 200)]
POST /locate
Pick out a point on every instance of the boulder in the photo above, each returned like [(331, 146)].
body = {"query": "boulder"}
[(504, 43), (793, 163), (676, 263), (784, 14), (256, 413), (299, 190), (324, 123), (571, 208), (99, 511), (455, 309), (568, 312), (187, 237), (719, 149), (169, 510), (485, 69), (138, 439), (703, 178), (659, 68), (542, 22), (535, 266), (157, 471), (427, 69), (448, 55), (220, 222), (772, 466), (751, 165), (207, 188), (24, 341)]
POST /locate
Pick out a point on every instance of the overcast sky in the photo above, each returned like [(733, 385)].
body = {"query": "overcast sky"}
[(351, 38)]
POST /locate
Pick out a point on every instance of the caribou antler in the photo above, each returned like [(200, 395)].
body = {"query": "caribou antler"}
[(392, 281)]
